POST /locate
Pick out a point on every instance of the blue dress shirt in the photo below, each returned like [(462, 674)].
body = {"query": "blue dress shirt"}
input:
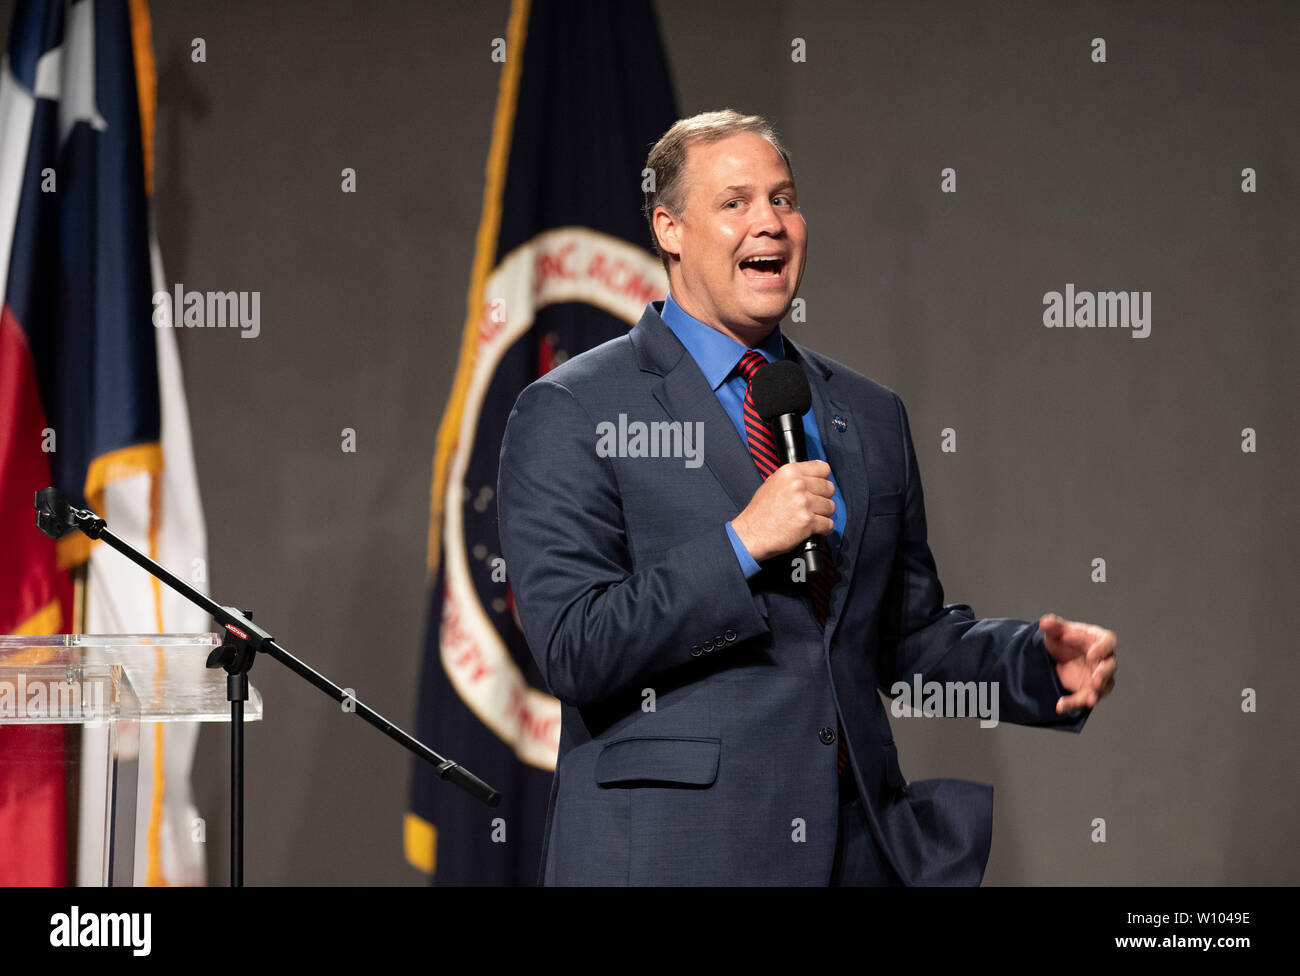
[(718, 355)]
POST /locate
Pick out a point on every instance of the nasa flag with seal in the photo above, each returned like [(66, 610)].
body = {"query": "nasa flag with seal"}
[(563, 263)]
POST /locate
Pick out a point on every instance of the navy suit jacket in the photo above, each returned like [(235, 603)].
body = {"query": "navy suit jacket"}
[(696, 704)]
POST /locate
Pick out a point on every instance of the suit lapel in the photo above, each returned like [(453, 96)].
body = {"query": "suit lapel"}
[(686, 396)]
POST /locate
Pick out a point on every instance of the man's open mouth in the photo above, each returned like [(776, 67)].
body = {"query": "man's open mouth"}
[(772, 266)]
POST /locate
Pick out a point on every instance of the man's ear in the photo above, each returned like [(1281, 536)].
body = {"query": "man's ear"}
[(666, 231)]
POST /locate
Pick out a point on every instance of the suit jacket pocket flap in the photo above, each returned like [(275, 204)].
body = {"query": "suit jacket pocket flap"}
[(693, 762)]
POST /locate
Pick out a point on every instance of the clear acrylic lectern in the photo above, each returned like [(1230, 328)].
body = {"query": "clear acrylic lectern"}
[(108, 686)]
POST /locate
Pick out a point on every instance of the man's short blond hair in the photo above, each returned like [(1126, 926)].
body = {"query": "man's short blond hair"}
[(667, 159)]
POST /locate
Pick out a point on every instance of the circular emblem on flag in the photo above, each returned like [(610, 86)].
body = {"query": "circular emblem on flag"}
[(480, 639)]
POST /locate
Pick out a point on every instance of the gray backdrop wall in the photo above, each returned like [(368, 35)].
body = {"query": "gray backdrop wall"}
[(1071, 444)]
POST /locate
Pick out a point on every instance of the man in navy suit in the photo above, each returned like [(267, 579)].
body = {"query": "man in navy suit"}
[(721, 722)]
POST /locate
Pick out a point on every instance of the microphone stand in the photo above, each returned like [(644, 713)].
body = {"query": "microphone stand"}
[(236, 654)]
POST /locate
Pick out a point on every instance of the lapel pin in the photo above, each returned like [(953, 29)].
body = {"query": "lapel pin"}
[(840, 423)]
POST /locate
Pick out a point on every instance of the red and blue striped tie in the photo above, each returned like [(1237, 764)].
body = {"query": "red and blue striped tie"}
[(762, 447)]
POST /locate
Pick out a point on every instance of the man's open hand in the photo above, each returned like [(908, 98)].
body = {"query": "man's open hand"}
[(1085, 660)]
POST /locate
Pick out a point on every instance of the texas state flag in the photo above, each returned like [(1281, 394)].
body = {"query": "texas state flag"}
[(90, 402)]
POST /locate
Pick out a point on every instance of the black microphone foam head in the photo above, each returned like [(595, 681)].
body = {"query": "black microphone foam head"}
[(781, 388)]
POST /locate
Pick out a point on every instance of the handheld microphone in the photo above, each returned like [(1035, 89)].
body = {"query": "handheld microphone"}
[(781, 397)]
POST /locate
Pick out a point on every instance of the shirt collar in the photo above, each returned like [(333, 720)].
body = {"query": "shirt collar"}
[(715, 353)]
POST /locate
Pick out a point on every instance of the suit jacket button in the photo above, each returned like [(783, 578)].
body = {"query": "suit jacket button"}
[(827, 736), (718, 641), (695, 650), (730, 636), (708, 646)]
